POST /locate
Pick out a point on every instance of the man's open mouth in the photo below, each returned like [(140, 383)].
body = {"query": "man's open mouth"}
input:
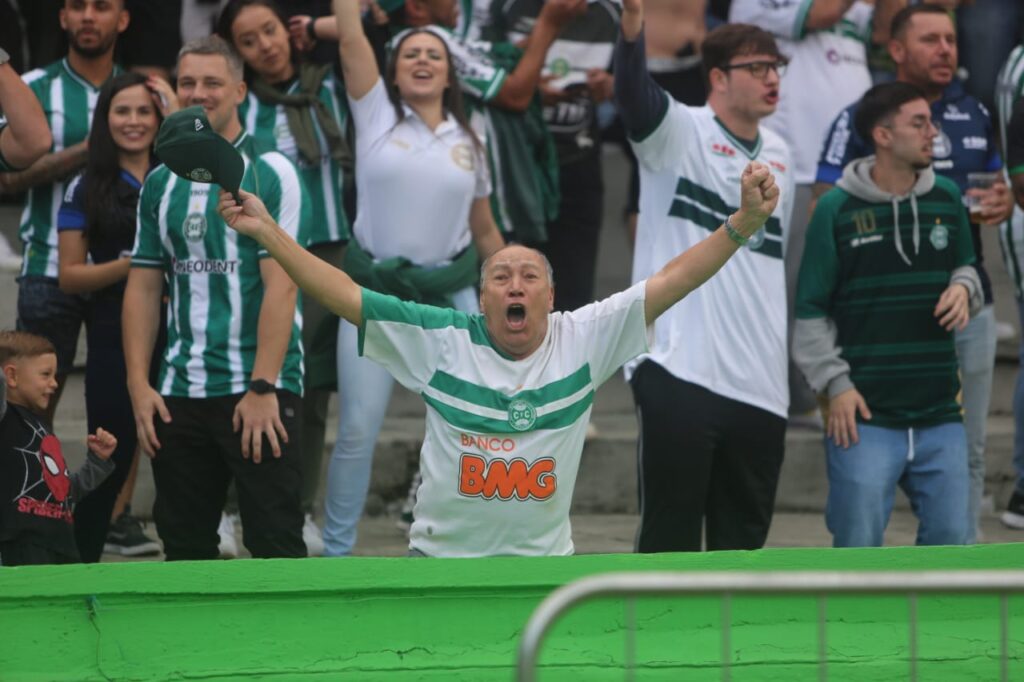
[(516, 315)]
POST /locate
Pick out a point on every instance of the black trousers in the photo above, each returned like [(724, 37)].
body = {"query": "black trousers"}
[(107, 406), (706, 463), (199, 456), (573, 235), (20, 553)]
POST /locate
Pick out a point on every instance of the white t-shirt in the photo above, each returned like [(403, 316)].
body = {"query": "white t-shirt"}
[(503, 437), (728, 336), (827, 72), (415, 185)]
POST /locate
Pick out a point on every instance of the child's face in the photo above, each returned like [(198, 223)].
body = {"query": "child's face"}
[(31, 382)]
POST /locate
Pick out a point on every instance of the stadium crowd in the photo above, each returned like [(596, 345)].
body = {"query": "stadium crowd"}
[(250, 204)]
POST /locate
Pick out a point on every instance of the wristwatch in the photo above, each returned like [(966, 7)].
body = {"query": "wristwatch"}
[(261, 386), (4, 57)]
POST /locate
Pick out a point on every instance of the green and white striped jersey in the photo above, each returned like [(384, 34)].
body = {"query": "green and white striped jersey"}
[(68, 101), (503, 437), (1009, 88), (325, 182), (213, 273)]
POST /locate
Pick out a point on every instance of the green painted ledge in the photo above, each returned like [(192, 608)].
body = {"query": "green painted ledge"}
[(433, 619)]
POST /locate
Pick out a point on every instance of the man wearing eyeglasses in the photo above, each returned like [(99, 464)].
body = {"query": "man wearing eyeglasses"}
[(923, 45), (712, 394), (885, 280), (825, 41)]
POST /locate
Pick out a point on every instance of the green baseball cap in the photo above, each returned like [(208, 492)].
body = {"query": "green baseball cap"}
[(192, 149)]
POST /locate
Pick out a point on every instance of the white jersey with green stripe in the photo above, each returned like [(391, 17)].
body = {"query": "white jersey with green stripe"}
[(1010, 88), (728, 336), (68, 101), (325, 181), (503, 437), (213, 273)]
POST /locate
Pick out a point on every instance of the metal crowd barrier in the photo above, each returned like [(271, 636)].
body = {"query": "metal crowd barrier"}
[(820, 583)]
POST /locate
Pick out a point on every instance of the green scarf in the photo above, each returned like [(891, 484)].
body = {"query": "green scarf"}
[(299, 110), (400, 277)]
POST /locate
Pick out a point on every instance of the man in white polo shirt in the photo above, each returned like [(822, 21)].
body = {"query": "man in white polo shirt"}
[(508, 392)]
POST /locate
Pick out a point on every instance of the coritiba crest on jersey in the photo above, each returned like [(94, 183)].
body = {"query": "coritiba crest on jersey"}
[(194, 227), (521, 415)]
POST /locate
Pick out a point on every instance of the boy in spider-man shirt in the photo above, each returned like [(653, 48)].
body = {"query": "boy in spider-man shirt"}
[(37, 496)]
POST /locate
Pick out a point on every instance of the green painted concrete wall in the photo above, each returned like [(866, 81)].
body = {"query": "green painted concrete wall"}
[(432, 619)]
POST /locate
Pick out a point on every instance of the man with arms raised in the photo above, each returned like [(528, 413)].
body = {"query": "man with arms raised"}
[(712, 395), (509, 391), (233, 360)]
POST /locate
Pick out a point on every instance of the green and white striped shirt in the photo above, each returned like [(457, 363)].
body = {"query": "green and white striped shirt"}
[(325, 182), (213, 272), (68, 101)]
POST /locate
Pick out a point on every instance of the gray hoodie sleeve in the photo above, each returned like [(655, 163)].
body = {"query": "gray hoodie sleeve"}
[(819, 357), (93, 472), (968, 276)]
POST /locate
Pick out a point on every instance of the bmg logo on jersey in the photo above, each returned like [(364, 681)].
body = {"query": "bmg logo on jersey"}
[(507, 479)]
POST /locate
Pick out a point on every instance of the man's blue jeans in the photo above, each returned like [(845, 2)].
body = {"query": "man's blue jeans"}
[(929, 464)]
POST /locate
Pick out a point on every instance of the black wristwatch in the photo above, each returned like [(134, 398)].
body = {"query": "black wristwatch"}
[(261, 386)]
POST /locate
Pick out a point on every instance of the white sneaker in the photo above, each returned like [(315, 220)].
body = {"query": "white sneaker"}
[(228, 545), (313, 537), (1005, 331)]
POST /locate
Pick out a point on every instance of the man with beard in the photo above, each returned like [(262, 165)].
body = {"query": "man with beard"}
[(67, 91), (885, 280)]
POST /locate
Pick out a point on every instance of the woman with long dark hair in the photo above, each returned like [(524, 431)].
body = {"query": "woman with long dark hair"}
[(299, 108), (96, 233), (423, 221)]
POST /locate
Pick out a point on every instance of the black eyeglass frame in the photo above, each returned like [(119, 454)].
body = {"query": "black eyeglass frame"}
[(779, 66)]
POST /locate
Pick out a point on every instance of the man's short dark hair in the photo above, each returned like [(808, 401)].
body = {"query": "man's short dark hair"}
[(881, 102), (901, 19), (731, 40)]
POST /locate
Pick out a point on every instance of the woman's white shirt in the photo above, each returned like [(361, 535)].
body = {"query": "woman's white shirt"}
[(415, 185)]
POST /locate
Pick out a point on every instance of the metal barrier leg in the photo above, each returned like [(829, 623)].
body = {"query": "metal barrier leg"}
[(726, 637), (912, 631), (630, 639), (1004, 637), (822, 638)]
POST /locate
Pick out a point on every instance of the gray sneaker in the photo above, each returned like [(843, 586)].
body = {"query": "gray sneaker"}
[(126, 537)]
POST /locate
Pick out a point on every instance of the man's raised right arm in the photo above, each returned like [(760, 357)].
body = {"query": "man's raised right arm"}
[(334, 289), (641, 103)]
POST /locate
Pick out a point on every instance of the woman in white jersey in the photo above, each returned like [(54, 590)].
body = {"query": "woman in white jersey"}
[(423, 221), (299, 109)]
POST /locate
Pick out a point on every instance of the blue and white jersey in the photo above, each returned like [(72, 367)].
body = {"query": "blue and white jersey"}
[(967, 143)]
